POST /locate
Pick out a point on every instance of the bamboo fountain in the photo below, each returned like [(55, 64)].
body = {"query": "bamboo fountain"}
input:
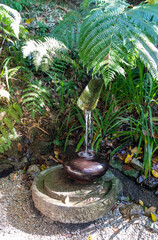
[(83, 189)]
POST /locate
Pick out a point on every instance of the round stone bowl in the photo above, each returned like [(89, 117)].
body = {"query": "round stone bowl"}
[(63, 200), (85, 167)]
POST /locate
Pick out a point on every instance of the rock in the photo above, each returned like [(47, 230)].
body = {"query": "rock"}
[(149, 210), (132, 210), (45, 147), (137, 164), (151, 182), (86, 202), (156, 192), (126, 169), (33, 170), (152, 225), (140, 179), (5, 169)]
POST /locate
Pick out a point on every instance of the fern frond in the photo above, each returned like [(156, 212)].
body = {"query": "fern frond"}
[(113, 34), (45, 52), (70, 27), (36, 98), (11, 19), (8, 118)]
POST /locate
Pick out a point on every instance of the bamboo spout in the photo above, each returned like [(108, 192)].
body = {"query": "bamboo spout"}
[(89, 98)]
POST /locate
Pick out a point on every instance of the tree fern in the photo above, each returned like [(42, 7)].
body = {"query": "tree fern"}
[(36, 97), (114, 33)]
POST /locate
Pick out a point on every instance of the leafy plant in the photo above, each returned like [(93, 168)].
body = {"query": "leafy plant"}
[(70, 27), (138, 87), (44, 53), (116, 34), (36, 97), (18, 4), (8, 117), (10, 23)]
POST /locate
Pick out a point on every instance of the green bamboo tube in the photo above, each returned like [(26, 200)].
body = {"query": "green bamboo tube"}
[(89, 98)]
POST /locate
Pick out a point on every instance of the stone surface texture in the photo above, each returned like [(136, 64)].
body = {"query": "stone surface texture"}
[(20, 220), (85, 208)]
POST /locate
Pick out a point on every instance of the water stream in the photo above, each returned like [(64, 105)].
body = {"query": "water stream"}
[(88, 136)]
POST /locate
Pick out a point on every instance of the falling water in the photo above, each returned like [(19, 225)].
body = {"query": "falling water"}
[(88, 136)]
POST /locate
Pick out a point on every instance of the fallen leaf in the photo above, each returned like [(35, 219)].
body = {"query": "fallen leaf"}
[(155, 173), (90, 238), (154, 217), (19, 147), (135, 149), (128, 158), (29, 20), (150, 210), (114, 207), (116, 230), (43, 167), (141, 203), (15, 174), (120, 156)]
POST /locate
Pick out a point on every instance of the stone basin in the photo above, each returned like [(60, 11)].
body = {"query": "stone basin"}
[(63, 200)]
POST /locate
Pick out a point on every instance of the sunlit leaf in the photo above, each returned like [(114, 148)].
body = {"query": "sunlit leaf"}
[(155, 173), (128, 158), (29, 20), (154, 217), (43, 167), (4, 93), (135, 149), (141, 203)]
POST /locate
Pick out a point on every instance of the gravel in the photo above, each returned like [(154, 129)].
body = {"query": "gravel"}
[(19, 220)]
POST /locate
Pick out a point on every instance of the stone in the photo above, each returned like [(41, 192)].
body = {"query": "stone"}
[(128, 171), (63, 200), (137, 164), (156, 192), (151, 182), (23, 162), (140, 179), (5, 169), (131, 210), (33, 170), (152, 225)]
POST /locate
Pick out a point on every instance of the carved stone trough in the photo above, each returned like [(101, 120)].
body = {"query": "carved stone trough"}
[(63, 200)]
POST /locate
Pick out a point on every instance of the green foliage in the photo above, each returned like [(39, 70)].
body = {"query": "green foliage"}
[(70, 27), (105, 124), (18, 5), (137, 87), (114, 34), (144, 132), (44, 53), (8, 117), (36, 97), (10, 23)]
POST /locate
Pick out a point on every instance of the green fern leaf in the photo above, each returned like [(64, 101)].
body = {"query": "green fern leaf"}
[(5, 134), (12, 113), (113, 34), (11, 18), (8, 123), (3, 143), (18, 109), (1, 148)]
